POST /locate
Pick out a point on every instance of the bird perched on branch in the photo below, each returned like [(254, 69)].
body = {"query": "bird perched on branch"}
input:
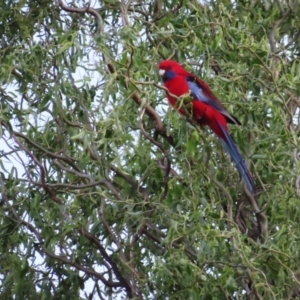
[(204, 108)]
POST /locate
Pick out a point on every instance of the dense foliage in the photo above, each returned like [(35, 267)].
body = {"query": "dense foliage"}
[(106, 192)]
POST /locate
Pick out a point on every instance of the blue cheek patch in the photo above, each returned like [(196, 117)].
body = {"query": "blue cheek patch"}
[(168, 75)]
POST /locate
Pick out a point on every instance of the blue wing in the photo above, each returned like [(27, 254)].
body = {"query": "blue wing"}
[(198, 93)]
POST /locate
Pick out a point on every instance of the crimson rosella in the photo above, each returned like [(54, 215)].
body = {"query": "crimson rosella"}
[(206, 110)]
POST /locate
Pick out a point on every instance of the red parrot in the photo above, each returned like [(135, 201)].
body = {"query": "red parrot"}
[(206, 110)]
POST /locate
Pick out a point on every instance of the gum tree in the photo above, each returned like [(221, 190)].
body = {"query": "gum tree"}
[(106, 193)]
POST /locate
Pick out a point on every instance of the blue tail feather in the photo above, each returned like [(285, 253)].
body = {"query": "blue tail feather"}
[(236, 156)]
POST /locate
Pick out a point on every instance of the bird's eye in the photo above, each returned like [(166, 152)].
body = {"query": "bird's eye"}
[(169, 68)]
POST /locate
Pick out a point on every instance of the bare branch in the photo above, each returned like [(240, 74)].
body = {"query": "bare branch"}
[(103, 252)]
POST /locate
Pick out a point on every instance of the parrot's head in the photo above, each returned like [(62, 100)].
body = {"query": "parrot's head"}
[(169, 69)]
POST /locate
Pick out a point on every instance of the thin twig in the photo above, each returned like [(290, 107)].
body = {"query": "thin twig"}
[(163, 150), (88, 10)]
